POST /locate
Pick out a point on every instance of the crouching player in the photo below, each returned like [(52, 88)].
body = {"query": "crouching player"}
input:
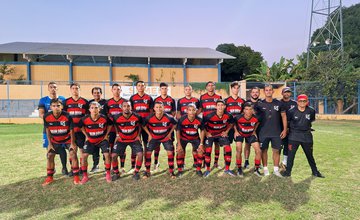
[(188, 132), (59, 129), (245, 130), (96, 128), (159, 127), (128, 132)]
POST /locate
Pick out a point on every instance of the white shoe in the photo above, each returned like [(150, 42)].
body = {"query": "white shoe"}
[(266, 172), (277, 173), (122, 171), (131, 171)]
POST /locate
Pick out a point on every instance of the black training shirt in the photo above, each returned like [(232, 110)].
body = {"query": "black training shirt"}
[(300, 124), (269, 114)]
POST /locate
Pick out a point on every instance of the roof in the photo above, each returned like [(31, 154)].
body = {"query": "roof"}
[(111, 50)]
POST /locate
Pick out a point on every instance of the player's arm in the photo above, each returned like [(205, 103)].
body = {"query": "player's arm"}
[(230, 125), (173, 108), (202, 139), (255, 129), (285, 125), (41, 112), (178, 108), (48, 136), (178, 145), (84, 132), (236, 132)]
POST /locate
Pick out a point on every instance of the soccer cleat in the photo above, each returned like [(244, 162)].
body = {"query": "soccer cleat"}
[(199, 173), (217, 166), (122, 170), (84, 180), (172, 175), (156, 167), (318, 174), (229, 173), (246, 164), (194, 166), (283, 165), (206, 173), (266, 171), (257, 172), (76, 180), (131, 171), (108, 177), (71, 174), (94, 169), (64, 171), (240, 173), (285, 174), (115, 177), (146, 175), (136, 176), (277, 173), (180, 174), (48, 180)]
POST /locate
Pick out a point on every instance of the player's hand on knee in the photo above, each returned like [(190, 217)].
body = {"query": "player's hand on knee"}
[(50, 147), (201, 150)]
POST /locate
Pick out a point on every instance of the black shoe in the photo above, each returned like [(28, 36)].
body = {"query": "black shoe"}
[(318, 174), (71, 174), (80, 172), (240, 172), (180, 174), (146, 175), (194, 165), (199, 173), (285, 174), (136, 176), (95, 169), (246, 164), (115, 177), (257, 172), (64, 171)]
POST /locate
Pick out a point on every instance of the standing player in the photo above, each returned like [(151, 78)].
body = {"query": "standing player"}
[(254, 99), (128, 129), (77, 107), (97, 93), (207, 106), (188, 133), (245, 130), (288, 104), (159, 127), (300, 119), (44, 107), (217, 125), (60, 134), (96, 128), (273, 128), (170, 109), (182, 110)]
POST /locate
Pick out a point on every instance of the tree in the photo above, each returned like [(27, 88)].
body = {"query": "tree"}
[(246, 62), (6, 70)]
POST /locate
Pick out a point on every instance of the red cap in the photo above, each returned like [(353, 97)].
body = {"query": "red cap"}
[(302, 97)]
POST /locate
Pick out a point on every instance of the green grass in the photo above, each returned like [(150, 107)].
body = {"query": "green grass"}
[(336, 151)]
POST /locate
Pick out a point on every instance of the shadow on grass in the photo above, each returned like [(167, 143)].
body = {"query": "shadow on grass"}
[(33, 199)]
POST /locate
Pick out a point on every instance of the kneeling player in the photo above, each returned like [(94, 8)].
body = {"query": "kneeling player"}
[(60, 133), (96, 130), (187, 132), (159, 127), (217, 125), (128, 129), (245, 129)]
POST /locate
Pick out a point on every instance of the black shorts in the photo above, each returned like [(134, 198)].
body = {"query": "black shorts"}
[(231, 135), (221, 140), (248, 140), (112, 137), (90, 148), (285, 142), (168, 145), (59, 147), (275, 142), (120, 147), (79, 139), (195, 144), (144, 136)]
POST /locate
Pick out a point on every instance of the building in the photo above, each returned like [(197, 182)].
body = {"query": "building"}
[(90, 62)]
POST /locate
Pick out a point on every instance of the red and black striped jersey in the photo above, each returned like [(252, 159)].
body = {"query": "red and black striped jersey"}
[(59, 127), (216, 125), (95, 130), (169, 104), (184, 102), (159, 128), (234, 106), (245, 126), (113, 108), (189, 130), (102, 103), (76, 109), (208, 103), (142, 104), (127, 128)]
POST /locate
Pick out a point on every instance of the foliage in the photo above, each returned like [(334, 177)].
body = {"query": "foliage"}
[(133, 77), (6, 70)]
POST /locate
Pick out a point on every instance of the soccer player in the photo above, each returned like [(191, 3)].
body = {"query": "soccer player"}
[(188, 133), (77, 107), (245, 130), (254, 99), (272, 128), (159, 127), (288, 104), (182, 110), (114, 107), (60, 134), (300, 119), (96, 128), (217, 125), (97, 93), (207, 106), (128, 129), (169, 108), (44, 107)]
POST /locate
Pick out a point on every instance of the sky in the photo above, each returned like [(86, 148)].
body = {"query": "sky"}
[(275, 28)]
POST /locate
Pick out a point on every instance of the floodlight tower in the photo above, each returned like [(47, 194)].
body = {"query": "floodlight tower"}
[(326, 15)]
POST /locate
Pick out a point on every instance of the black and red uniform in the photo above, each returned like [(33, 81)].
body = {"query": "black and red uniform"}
[(246, 128), (215, 125), (184, 102), (208, 103), (103, 106), (77, 109), (235, 108), (169, 104), (113, 108), (159, 129)]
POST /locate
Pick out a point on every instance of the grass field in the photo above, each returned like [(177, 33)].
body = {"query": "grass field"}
[(337, 153)]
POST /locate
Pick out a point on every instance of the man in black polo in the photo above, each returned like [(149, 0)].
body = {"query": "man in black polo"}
[(300, 119)]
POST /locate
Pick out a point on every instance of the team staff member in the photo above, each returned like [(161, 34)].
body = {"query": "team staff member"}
[(44, 107), (272, 116), (300, 119), (59, 130), (288, 104)]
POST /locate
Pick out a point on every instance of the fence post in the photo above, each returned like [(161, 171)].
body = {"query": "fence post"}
[(325, 105), (8, 97)]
